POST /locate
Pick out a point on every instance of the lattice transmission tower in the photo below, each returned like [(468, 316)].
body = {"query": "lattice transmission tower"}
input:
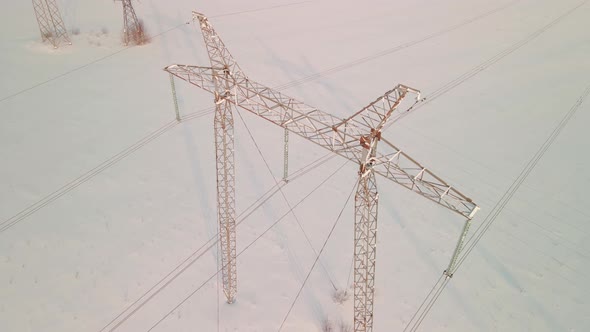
[(133, 31), (355, 138), (51, 25)]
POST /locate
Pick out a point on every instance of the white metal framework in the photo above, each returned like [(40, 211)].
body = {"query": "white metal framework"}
[(354, 138), (226, 212), (365, 250), (51, 25)]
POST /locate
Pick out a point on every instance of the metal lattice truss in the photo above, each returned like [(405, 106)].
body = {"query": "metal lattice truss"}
[(51, 25), (365, 251), (219, 56), (226, 211), (355, 138), (132, 28), (347, 138)]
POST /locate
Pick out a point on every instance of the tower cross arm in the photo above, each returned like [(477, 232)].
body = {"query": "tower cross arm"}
[(196, 75), (297, 117), (343, 137), (397, 166), (387, 109)]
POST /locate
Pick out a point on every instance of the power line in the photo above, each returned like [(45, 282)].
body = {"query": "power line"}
[(48, 199), (261, 9), (71, 71), (438, 292), (203, 112), (437, 93), (393, 49), (349, 272), (501, 204), (181, 268), (191, 259), (286, 201), (128, 47), (442, 90), (489, 62), (246, 248), (317, 258), (424, 302), (362, 60), (431, 303), (522, 176)]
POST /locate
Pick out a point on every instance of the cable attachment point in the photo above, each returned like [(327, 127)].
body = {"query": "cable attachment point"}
[(447, 274)]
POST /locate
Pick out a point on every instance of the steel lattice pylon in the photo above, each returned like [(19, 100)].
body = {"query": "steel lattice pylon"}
[(132, 28), (354, 138), (226, 212), (365, 249), (51, 25)]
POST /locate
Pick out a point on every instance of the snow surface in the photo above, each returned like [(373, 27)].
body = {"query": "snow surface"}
[(84, 256)]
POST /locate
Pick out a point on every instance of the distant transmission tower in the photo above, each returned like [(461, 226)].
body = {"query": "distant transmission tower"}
[(355, 138), (50, 22), (132, 28)]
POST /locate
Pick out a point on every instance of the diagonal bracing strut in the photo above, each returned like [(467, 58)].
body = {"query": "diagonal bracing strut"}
[(354, 138)]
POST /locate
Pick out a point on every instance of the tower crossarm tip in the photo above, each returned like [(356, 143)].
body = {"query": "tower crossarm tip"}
[(196, 75), (386, 109), (402, 169), (199, 16)]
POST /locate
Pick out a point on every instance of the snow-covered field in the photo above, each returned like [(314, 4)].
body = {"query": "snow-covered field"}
[(107, 205)]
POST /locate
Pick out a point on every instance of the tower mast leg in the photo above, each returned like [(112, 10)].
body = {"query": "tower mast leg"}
[(365, 241), (226, 213)]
